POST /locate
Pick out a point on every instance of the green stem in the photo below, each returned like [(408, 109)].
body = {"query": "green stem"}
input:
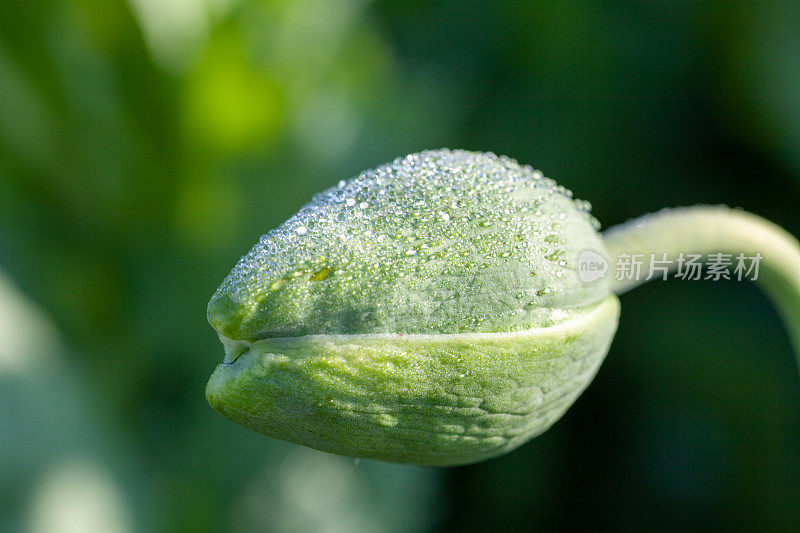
[(708, 230)]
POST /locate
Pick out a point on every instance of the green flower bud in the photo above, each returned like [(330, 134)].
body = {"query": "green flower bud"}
[(428, 311)]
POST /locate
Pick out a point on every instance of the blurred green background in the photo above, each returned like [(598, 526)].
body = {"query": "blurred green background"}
[(145, 146)]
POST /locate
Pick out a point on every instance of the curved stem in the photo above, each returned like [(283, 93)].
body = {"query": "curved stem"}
[(705, 231)]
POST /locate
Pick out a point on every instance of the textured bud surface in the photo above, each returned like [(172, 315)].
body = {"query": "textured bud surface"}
[(425, 399), (427, 311), (437, 242)]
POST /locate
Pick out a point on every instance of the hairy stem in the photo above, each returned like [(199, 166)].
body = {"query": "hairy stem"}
[(707, 230)]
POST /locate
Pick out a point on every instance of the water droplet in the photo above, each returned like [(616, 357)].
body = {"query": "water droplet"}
[(320, 274)]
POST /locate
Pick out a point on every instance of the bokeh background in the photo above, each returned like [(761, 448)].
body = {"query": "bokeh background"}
[(144, 146)]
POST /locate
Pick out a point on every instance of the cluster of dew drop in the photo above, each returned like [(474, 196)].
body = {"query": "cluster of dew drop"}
[(444, 212)]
